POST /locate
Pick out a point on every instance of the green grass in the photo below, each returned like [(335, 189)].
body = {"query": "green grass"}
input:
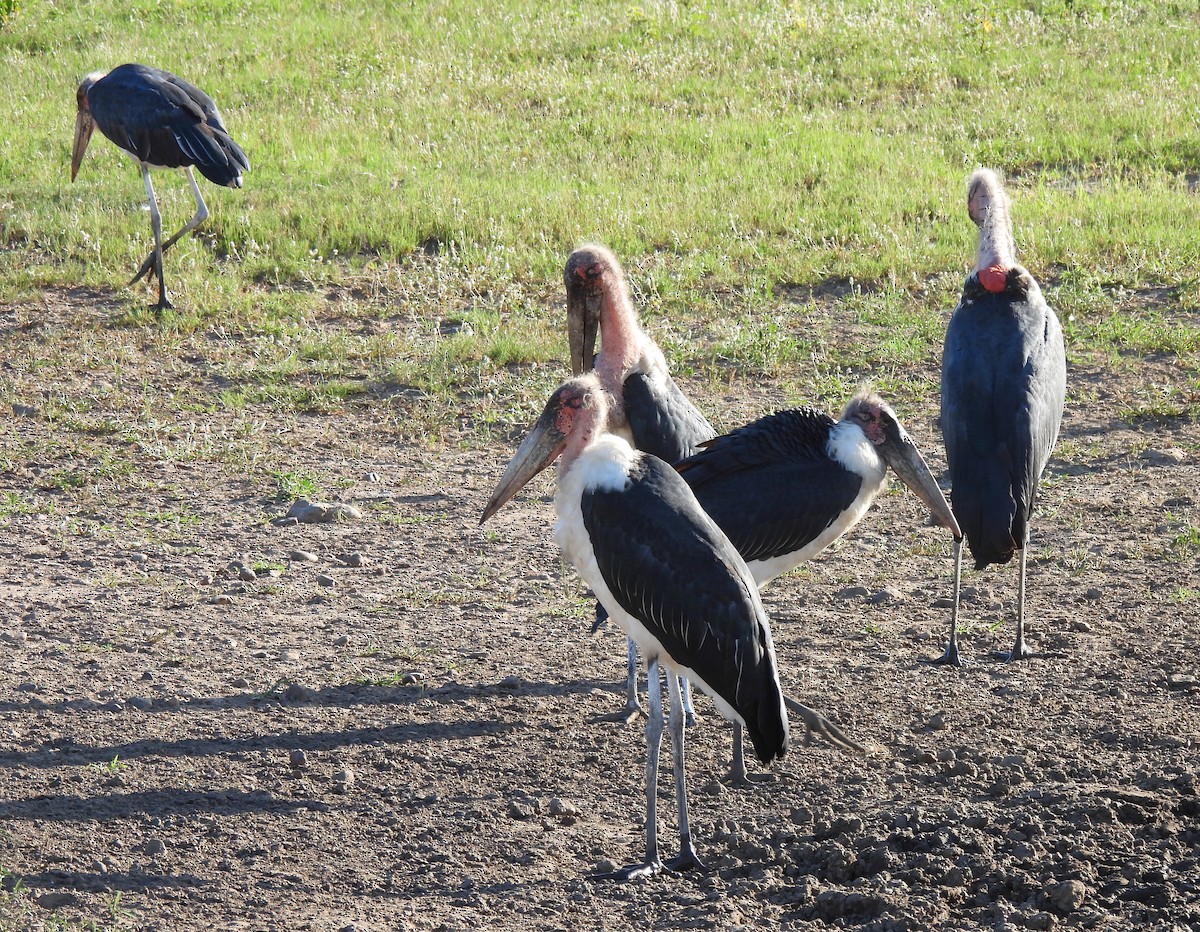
[(784, 181)]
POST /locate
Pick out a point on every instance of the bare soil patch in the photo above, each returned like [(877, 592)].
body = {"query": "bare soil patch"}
[(425, 740)]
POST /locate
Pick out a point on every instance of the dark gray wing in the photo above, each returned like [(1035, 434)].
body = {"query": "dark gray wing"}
[(771, 485), (663, 422), (671, 568), (163, 120)]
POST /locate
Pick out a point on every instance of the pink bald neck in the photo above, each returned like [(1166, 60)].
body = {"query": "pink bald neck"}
[(987, 205), (620, 335)]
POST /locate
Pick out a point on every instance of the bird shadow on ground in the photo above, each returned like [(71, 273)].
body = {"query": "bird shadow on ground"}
[(82, 755), (70, 808)]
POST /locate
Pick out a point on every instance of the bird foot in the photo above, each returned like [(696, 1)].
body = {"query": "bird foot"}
[(820, 727), (739, 778), (626, 715), (949, 659), (1023, 651), (643, 871), (687, 860)]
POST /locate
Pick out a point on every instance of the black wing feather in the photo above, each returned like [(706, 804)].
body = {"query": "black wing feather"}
[(1003, 385), (663, 422), (671, 568), (164, 120), (771, 485)]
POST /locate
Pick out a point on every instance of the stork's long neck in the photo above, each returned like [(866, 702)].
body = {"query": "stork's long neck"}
[(997, 251), (996, 247), (621, 340)]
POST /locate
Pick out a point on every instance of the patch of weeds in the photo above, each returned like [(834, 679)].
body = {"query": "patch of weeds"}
[(295, 484), (1186, 545), (116, 765)]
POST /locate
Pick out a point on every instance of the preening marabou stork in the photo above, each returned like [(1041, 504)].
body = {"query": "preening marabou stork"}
[(648, 408), (161, 121), (666, 574), (786, 486), (1004, 378)]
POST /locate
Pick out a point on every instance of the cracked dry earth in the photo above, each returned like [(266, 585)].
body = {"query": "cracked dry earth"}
[(422, 737)]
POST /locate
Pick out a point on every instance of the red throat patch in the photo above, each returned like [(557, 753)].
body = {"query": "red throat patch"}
[(993, 278)]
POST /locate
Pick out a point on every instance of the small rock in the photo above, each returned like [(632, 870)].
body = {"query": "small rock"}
[(510, 682), (297, 693), (605, 866), (297, 758), (14, 637), (154, 846), (20, 410), (1066, 897), (57, 899), (324, 580), (1093, 594), (318, 512), (302, 556), (344, 779), (943, 602), (886, 595), (561, 807), (290, 655), (1182, 681), (519, 810), (1168, 457), (1079, 626), (353, 559), (937, 722), (853, 592), (141, 703)]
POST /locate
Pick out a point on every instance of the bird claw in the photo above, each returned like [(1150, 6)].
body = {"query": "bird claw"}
[(143, 271), (687, 860), (949, 659), (819, 726), (739, 778)]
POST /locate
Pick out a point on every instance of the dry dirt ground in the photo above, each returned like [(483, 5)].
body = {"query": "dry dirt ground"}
[(421, 737)]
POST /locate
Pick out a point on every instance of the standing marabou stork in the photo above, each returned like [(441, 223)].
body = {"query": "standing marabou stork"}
[(649, 410), (784, 487), (161, 121), (1004, 379), (666, 573)]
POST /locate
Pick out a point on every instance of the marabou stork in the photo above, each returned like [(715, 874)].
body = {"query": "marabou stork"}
[(649, 410), (666, 573), (784, 487), (161, 121), (1004, 377)]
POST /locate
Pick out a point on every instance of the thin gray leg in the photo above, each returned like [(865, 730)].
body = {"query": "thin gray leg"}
[(155, 259), (199, 217), (1020, 648), (687, 853), (689, 714), (951, 655), (632, 706), (654, 729)]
